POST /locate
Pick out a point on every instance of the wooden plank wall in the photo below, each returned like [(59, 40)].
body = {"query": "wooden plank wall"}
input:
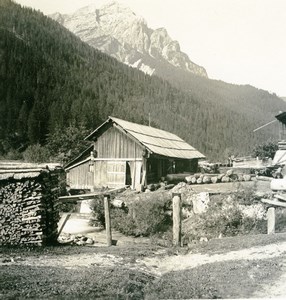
[(100, 173), (116, 173), (112, 144), (80, 177), (115, 144)]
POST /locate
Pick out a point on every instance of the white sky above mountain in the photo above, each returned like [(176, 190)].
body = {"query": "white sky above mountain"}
[(237, 41)]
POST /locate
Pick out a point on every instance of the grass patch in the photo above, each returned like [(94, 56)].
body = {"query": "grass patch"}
[(135, 250), (232, 279), (127, 281), (224, 245), (82, 283)]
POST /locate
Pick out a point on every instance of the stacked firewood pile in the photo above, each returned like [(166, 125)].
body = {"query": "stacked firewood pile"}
[(28, 205), (229, 176)]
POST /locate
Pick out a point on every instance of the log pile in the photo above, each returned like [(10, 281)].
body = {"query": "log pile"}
[(28, 206), (78, 239), (229, 176)]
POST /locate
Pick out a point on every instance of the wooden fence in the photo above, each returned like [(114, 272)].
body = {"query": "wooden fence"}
[(106, 198), (177, 213)]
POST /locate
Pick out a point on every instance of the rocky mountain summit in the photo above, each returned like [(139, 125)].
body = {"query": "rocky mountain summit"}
[(119, 32)]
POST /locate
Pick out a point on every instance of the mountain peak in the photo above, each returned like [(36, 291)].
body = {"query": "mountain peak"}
[(112, 8), (116, 30), (116, 7)]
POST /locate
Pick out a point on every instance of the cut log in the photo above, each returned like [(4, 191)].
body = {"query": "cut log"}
[(220, 176), (206, 179), (280, 197), (274, 202), (194, 180), (169, 186), (264, 178), (176, 177), (214, 179), (225, 179), (117, 203), (246, 177), (189, 179), (278, 184)]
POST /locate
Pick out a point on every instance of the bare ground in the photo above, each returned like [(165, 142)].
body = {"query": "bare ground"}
[(240, 267)]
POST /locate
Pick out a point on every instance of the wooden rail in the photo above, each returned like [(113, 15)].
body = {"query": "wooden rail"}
[(76, 198), (82, 197), (177, 213), (278, 201)]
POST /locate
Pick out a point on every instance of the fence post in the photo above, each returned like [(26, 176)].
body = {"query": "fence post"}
[(177, 219), (271, 220), (107, 220)]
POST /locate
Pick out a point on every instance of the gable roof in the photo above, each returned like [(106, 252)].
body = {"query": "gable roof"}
[(156, 141), (281, 117), (83, 155)]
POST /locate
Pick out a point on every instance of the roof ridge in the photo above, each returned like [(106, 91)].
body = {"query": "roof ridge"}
[(155, 136), (142, 125), (165, 147)]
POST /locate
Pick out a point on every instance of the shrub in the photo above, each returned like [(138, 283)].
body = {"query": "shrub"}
[(280, 219), (227, 216), (37, 154), (245, 195), (147, 216), (266, 150), (12, 155), (97, 207), (144, 215)]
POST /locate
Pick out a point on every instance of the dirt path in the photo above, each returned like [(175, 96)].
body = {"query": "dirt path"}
[(161, 263), (276, 290), (157, 265), (160, 266)]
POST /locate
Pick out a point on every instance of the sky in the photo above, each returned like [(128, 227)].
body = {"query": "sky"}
[(237, 41)]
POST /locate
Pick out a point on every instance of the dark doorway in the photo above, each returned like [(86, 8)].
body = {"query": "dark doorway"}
[(128, 179)]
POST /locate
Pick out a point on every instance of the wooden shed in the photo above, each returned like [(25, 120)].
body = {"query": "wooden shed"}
[(280, 155), (29, 211), (125, 153)]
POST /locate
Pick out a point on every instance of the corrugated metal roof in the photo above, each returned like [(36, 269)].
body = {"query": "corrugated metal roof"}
[(157, 141)]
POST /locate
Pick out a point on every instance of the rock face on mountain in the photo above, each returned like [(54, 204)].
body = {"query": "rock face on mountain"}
[(117, 31)]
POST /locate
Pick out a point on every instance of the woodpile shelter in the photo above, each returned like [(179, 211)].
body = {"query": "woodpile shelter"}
[(126, 153), (29, 203)]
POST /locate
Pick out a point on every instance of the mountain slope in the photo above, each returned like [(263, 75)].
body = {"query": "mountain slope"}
[(49, 79), (117, 31)]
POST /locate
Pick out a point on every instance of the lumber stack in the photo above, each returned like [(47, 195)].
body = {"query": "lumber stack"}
[(28, 206), (229, 176)]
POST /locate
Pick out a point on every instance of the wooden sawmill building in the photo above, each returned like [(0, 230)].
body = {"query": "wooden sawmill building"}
[(126, 153), (280, 155)]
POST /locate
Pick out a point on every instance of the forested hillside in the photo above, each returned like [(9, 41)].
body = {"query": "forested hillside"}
[(49, 79)]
